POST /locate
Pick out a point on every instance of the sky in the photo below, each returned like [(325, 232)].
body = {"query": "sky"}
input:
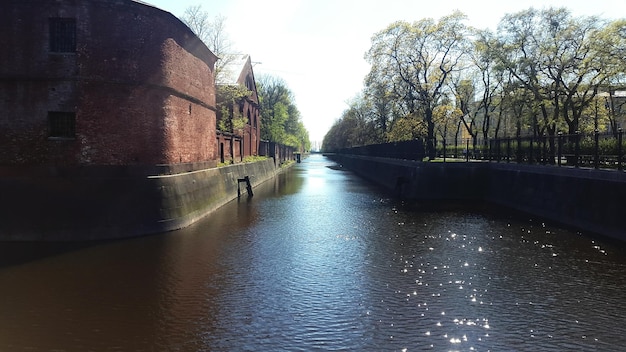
[(317, 46)]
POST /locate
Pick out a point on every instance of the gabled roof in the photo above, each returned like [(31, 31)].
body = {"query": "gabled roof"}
[(233, 72), (238, 71)]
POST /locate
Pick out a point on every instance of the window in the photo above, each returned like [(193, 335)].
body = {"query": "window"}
[(62, 35), (61, 125)]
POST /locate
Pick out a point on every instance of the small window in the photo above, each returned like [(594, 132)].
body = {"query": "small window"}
[(61, 125), (62, 35)]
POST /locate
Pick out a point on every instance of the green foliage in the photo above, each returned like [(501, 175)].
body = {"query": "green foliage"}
[(407, 128), (247, 159), (559, 59), (229, 117), (239, 123), (280, 118), (355, 127), (418, 60), (539, 74), (253, 158)]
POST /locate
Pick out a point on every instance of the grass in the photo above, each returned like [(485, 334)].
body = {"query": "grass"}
[(247, 159)]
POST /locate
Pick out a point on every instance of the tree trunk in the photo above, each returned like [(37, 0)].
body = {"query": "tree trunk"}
[(430, 143)]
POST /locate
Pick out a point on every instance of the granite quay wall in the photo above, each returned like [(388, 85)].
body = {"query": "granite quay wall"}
[(107, 202), (589, 200)]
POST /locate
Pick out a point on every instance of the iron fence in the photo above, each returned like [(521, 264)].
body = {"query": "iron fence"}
[(596, 150), (407, 150)]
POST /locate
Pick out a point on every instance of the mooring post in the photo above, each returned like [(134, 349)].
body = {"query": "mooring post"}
[(249, 186), (620, 156), (246, 179)]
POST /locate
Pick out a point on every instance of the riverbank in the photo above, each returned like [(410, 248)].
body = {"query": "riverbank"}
[(585, 199), (98, 203)]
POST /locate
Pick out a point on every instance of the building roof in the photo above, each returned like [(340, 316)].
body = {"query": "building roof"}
[(143, 3), (231, 72)]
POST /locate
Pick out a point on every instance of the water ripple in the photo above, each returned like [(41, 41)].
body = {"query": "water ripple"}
[(319, 260)]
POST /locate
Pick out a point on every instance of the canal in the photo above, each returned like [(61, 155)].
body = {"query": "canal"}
[(319, 259)]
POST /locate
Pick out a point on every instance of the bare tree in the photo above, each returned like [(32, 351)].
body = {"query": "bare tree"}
[(213, 33)]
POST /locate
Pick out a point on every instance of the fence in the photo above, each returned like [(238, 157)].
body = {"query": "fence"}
[(409, 150), (281, 153), (596, 150)]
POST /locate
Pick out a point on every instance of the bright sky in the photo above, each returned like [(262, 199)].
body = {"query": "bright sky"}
[(318, 46)]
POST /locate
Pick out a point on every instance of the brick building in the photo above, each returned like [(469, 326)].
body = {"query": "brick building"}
[(237, 144), (103, 82)]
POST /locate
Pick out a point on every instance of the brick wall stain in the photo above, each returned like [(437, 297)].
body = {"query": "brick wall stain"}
[(140, 83)]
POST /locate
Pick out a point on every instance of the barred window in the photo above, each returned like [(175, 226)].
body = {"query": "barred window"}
[(62, 35), (61, 125)]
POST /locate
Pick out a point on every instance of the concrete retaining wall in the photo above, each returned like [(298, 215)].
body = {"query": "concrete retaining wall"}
[(586, 199), (589, 200), (93, 203)]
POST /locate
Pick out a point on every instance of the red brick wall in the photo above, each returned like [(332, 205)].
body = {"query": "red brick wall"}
[(249, 134), (249, 108), (141, 85)]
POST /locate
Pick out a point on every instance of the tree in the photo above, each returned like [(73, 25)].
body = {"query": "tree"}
[(445, 116), (380, 95), (406, 128), (487, 80), (274, 98), (356, 127), (541, 72), (574, 64), (559, 58), (419, 59), (335, 139), (519, 52), (611, 44), (515, 103), (280, 118), (229, 117), (364, 130), (212, 33)]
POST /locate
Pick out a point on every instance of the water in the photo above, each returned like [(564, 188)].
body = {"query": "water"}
[(320, 260)]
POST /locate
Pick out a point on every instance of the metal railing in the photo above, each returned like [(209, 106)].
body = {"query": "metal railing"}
[(407, 150), (596, 150)]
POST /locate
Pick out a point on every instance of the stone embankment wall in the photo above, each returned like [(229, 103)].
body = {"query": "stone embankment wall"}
[(592, 201), (97, 203)]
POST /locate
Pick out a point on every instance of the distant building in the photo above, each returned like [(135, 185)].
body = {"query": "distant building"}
[(239, 143), (615, 103), (103, 82)]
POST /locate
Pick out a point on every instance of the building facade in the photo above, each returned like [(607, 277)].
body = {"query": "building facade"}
[(103, 82), (238, 143), (106, 106)]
